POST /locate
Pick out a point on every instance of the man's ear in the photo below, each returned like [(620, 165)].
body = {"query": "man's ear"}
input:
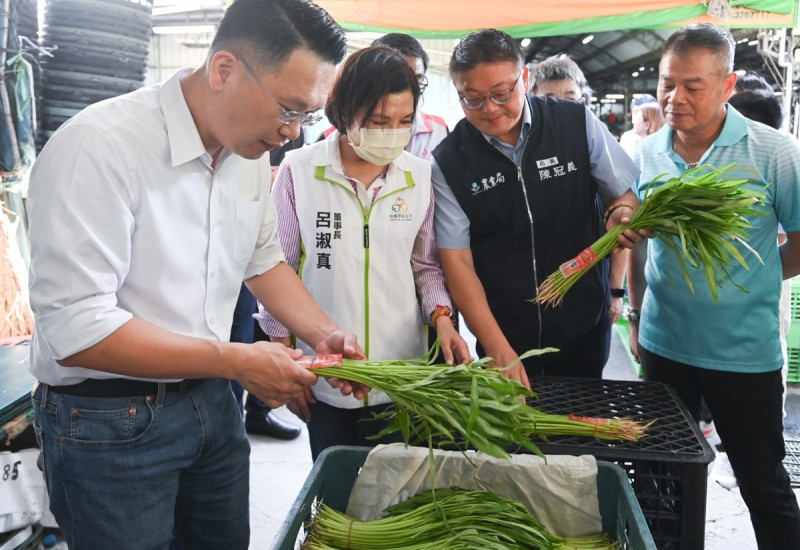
[(730, 85), (526, 74), (220, 68)]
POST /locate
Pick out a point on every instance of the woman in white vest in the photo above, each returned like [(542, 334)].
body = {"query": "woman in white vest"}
[(355, 219)]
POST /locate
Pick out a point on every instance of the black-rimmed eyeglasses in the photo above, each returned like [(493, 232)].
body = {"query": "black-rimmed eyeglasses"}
[(288, 116), (498, 98), (422, 80)]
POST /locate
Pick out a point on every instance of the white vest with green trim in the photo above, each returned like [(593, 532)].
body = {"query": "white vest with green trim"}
[(356, 258)]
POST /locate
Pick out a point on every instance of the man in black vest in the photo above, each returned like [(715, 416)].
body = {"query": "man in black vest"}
[(515, 184)]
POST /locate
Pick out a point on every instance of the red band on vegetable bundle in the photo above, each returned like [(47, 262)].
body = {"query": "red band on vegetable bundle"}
[(349, 532), (327, 360), (578, 263), (596, 421)]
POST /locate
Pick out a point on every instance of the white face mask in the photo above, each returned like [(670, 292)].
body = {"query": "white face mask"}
[(380, 147)]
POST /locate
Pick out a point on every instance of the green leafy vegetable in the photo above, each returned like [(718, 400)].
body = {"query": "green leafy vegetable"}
[(451, 519), (698, 215), (471, 405)]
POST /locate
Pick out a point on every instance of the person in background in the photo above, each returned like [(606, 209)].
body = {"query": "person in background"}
[(726, 351), (515, 185), (646, 117), (560, 77), (759, 105), (427, 130), (752, 81), (258, 416), (147, 211), (355, 217)]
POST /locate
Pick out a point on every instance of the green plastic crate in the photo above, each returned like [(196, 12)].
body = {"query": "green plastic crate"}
[(793, 338), (334, 473)]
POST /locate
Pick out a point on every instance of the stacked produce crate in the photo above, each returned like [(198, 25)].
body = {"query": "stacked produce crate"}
[(98, 50), (667, 467), (793, 338)]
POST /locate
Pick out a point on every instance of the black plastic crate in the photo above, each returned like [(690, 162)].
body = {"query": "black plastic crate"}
[(668, 467)]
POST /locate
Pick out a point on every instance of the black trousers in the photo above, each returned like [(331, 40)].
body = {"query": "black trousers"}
[(748, 415), (331, 426)]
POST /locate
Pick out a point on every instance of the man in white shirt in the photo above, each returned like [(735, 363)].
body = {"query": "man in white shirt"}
[(147, 212)]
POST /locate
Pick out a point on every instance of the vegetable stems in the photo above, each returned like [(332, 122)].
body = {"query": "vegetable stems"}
[(698, 215), (470, 405), (452, 519)]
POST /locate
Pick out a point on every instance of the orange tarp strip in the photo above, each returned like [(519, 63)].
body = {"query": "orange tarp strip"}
[(445, 15)]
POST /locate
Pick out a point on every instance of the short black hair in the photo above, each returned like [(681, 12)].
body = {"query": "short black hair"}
[(759, 105), (366, 77), (752, 81), (702, 35), (269, 31), (485, 46), (405, 44)]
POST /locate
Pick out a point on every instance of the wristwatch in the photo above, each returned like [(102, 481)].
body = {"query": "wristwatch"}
[(617, 292), (632, 314)]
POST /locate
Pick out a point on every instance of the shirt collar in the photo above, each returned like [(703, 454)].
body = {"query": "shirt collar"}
[(185, 143), (733, 130)]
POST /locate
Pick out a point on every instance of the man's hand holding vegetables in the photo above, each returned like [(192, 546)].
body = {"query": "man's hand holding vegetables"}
[(620, 212)]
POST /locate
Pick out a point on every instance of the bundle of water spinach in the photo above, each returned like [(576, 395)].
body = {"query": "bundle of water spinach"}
[(469, 406), (699, 215), (446, 519)]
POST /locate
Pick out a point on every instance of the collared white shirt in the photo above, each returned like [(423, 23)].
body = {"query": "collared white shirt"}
[(128, 218)]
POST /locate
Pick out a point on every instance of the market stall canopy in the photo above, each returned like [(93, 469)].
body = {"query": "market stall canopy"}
[(627, 34), (526, 18)]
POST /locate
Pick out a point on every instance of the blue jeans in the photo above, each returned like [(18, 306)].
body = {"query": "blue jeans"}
[(161, 471)]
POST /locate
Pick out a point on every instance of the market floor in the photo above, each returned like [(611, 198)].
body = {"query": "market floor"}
[(279, 468)]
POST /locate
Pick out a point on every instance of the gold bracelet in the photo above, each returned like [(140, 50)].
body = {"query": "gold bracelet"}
[(613, 207)]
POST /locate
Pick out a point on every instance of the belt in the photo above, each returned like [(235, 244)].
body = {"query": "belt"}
[(122, 387)]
